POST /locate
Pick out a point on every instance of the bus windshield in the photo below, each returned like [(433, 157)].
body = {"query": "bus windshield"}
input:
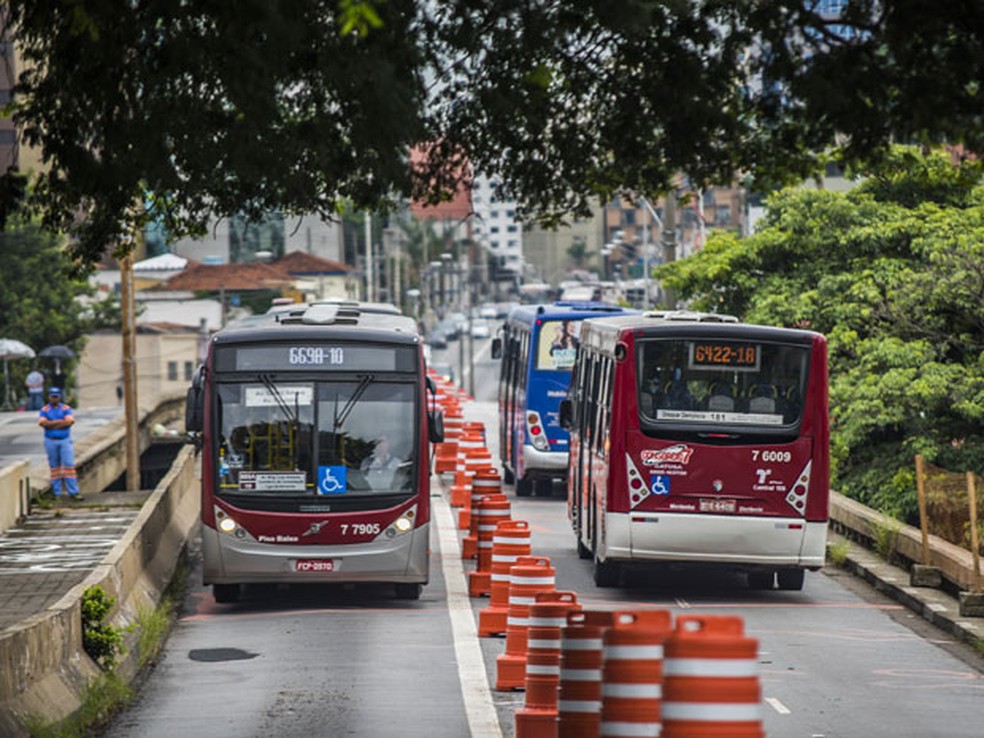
[(724, 382), (345, 437)]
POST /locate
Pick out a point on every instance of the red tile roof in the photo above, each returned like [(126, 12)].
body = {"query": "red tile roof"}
[(301, 262), (215, 277)]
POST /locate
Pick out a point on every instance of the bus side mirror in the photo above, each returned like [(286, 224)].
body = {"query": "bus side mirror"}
[(566, 414), (195, 403), (496, 348), (435, 426)]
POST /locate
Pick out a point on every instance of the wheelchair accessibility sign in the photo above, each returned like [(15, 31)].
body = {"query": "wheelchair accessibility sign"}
[(332, 480), (659, 484)]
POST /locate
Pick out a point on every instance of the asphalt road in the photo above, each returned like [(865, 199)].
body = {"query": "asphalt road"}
[(836, 660)]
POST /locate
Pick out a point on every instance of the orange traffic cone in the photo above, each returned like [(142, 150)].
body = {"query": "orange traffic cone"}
[(632, 673), (711, 685), (528, 576), (548, 615), (510, 543), (579, 696), (485, 483)]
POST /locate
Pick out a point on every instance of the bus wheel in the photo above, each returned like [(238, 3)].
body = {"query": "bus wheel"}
[(406, 591), (607, 573), (761, 579), (524, 487), (790, 578), (223, 593)]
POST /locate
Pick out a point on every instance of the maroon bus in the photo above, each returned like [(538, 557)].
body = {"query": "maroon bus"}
[(314, 432), (696, 439)]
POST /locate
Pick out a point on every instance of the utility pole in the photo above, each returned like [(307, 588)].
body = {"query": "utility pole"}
[(370, 277), (131, 409), (669, 241)]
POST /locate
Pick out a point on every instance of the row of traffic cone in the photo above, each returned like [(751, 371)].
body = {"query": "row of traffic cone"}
[(591, 673)]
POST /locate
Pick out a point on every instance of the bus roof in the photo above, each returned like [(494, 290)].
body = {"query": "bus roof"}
[(605, 332), (565, 310), (326, 320)]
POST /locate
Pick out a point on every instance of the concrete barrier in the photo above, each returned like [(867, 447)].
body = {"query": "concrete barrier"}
[(862, 525), (100, 457), (43, 666), (15, 493)]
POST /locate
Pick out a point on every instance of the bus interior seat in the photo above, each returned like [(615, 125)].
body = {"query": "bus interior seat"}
[(721, 398), (676, 396), (762, 399)]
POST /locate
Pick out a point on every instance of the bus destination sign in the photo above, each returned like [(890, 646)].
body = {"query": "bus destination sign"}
[(339, 357), (718, 354)]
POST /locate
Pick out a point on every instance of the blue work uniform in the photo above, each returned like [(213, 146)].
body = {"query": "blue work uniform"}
[(60, 450)]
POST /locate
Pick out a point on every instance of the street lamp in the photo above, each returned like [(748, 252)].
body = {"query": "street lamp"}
[(645, 246)]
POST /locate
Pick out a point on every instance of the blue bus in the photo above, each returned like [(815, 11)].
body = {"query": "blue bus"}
[(538, 347)]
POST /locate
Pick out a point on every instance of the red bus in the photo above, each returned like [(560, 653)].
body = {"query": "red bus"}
[(314, 433), (696, 439)]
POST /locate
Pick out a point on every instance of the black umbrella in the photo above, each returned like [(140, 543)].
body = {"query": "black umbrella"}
[(57, 353)]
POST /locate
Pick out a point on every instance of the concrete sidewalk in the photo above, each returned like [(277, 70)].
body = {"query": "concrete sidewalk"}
[(57, 545)]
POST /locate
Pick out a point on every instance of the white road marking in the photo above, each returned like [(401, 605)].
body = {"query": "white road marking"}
[(479, 705), (777, 706)]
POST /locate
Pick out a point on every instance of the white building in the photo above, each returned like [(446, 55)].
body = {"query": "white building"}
[(495, 226)]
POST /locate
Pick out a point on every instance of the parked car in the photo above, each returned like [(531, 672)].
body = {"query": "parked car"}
[(449, 328), (480, 329), (437, 339)]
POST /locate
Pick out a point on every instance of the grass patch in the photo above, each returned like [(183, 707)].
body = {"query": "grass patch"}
[(152, 626), (885, 534), (103, 697), (837, 552)]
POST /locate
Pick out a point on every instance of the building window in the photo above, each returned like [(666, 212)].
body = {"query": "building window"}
[(4, 97), (512, 228), (494, 214), (722, 215), (494, 229), (172, 371), (8, 137), (628, 217), (189, 370)]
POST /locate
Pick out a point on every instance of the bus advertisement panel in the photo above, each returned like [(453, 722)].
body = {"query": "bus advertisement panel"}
[(697, 439)]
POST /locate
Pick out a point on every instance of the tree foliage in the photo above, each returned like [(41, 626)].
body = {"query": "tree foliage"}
[(205, 108), (39, 300), (893, 273)]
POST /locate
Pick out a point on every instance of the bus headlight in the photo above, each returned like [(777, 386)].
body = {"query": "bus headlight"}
[(403, 524), (227, 525)]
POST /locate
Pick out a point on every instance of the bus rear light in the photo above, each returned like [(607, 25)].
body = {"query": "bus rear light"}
[(535, 432)]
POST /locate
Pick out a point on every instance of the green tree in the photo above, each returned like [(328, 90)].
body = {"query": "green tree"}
[(893, 273), (299, 105), (41, 304)]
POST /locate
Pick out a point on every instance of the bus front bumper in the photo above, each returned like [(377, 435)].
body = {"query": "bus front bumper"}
[(229, 560)]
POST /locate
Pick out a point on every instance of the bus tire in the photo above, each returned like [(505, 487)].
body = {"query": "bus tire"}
[(791, 579), (225, 593), (607, 573), (405, 591), (761, 579), (524, 487)]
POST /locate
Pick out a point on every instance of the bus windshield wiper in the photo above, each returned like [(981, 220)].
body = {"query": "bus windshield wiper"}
[(272, 389), (359, 391)]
